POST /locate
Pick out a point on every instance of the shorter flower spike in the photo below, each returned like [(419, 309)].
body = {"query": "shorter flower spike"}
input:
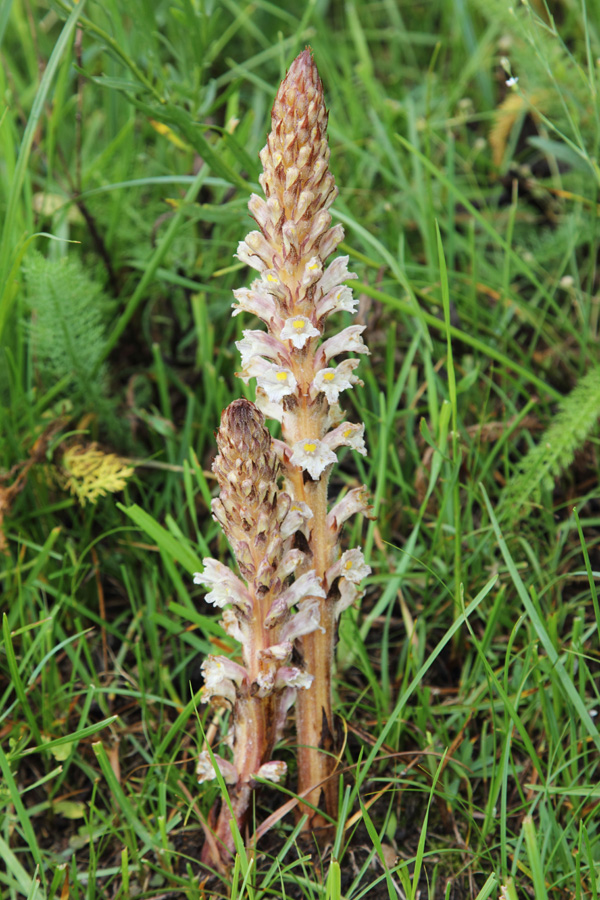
[(265, 610)]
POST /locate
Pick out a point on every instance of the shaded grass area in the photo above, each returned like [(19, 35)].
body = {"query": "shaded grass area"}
[(467, 683)]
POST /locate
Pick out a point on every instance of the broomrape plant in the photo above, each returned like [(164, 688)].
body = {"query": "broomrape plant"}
[(287, 627)]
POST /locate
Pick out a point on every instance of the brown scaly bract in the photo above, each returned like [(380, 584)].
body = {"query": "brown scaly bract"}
[(298, 186)]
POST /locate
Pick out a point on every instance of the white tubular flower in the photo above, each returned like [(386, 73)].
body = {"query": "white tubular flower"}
[(226, 587), (355, 501), (312, 455), (248, 256), (340, 299), (349, 592), (264, 211), (347, 435), (305, 621), (259, 245), (272, 284), (265, 680), (270, 661), (313, 271), (233, 627), (272, 771), (291, 676), (269, 409), (307, 586), (283, 451), (330, 241), (215, 668), (333, 381), (276, 381), (298, 330), (277, 652), (335, 274), (221, 676), (291, 560), (303, 202), (206, 771), (290, 238), (351, 566), (259, 343), (259, 303), (297, 516), (347, 341), (258, 209)]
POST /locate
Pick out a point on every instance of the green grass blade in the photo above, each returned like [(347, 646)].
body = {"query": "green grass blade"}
[(564, 681), (123, 803), (167, 543), (7, 239), (24, 820)]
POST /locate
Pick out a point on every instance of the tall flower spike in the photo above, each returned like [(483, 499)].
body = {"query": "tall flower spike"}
[(297, 383), (264, 611)]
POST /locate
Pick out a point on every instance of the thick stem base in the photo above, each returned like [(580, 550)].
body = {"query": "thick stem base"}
[(315, 727)]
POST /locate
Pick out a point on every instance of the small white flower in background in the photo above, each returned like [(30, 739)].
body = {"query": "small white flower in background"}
[(512, 81)]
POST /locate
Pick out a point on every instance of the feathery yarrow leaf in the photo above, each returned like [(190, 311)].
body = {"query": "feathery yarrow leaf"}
[(576, 417), (264, 610), (68, 324)]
